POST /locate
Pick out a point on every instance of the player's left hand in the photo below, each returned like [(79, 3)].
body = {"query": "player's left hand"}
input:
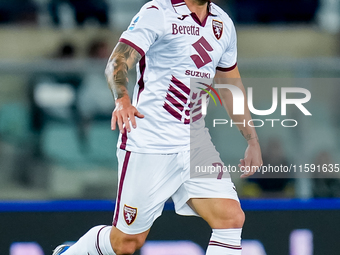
[(252, 159)]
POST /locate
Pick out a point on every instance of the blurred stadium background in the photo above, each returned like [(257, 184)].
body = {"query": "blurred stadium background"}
[(56, 143)]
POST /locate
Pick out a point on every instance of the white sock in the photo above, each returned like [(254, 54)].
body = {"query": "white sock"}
[(95, 242), (225, 242)]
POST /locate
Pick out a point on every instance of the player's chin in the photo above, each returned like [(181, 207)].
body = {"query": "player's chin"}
[(202, 2)]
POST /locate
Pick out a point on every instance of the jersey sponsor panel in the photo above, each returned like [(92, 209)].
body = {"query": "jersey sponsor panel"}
[(185, 30)]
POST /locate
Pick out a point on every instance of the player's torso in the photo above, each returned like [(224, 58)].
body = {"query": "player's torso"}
[(185, 50), (188, 48)]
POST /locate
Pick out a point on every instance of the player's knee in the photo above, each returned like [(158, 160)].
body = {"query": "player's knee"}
[(124, 247), (124, 244), (124, 250), (239, 219), (234, 220), (139, 242)]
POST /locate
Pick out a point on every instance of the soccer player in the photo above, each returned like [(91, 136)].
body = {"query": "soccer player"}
[(162, 130)]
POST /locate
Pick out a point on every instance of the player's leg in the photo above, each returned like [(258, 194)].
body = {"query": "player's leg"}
[(219, 212), (145, 183), (226, 219), (106, 240), (126, 244), (210, 193), (216, 201)]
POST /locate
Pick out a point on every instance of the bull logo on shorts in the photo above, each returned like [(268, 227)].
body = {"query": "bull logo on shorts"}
[(130, 214), (217, 28)]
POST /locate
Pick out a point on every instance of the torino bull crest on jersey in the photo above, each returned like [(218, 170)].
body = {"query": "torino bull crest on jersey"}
[(218, 28), (176, 47)]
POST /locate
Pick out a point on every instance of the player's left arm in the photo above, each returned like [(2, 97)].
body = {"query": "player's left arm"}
[(252, 158)]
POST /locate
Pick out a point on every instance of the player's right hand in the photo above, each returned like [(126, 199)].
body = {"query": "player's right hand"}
[(123, 114)]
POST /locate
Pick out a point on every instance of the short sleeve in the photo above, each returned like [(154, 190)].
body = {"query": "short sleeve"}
[(145, 28), (228, 60)]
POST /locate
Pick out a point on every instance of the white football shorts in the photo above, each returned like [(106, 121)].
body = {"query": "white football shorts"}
[(147, 181)]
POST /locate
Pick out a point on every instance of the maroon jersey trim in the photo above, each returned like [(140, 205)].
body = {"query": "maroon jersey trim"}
[(140, 51), (226, 69), (142, 66), (177, 1)]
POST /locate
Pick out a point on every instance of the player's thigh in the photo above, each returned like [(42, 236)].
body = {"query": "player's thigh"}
[(212, 193), (146, 181), (209, 194), (219, 213), (125, 243)]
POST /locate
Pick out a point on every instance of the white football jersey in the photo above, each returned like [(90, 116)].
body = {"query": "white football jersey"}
[(175, 47)]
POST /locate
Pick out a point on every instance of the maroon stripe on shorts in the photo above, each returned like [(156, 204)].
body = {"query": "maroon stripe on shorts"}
[(120, 188), (124, 140), (97, 243)]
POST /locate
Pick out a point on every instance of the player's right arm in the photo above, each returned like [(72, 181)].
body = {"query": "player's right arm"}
[(145, 28), (122, 59)]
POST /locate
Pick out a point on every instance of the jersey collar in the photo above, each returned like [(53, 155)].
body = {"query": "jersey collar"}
[(181, 8)]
